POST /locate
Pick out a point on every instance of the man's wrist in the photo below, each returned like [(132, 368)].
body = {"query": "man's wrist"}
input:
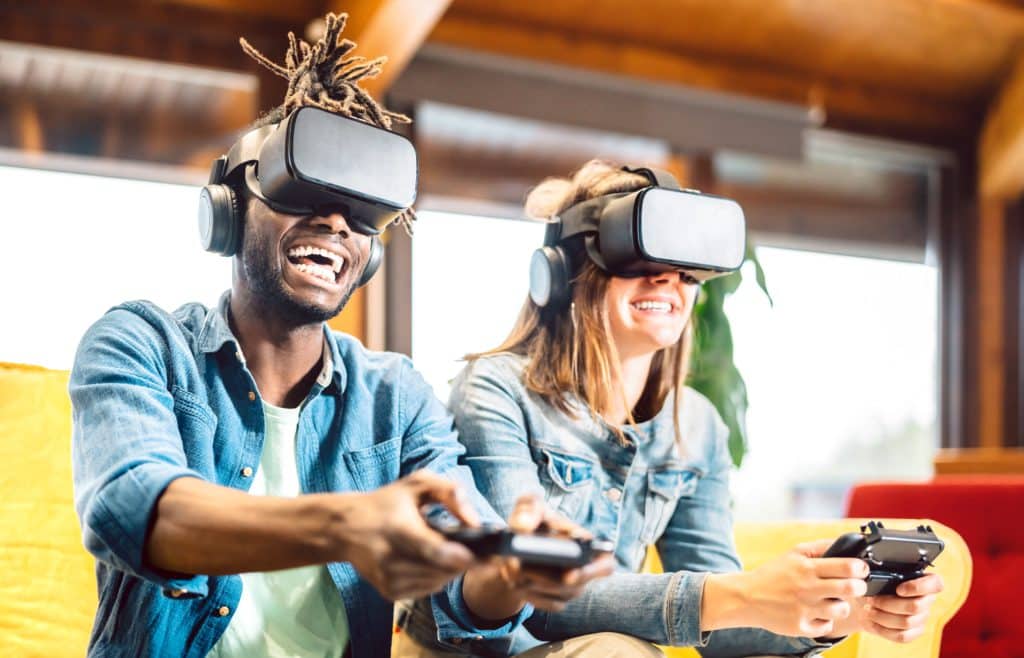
[(336, 535)]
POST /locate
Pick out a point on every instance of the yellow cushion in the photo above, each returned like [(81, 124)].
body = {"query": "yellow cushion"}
[(759, 542), (48, 588)]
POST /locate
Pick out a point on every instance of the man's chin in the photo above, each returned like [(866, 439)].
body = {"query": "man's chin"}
[(301, 310)]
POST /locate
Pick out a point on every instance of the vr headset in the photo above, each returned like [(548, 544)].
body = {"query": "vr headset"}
[(313, 162), (660, 228)]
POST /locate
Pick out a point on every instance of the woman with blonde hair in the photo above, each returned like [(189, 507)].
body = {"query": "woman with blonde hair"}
[(585, 404)]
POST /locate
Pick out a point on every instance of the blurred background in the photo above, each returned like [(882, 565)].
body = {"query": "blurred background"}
[(877, 147)]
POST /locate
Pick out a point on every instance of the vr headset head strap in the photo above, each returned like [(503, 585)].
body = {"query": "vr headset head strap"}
[(584, 217), (657, 177), (243, 152)]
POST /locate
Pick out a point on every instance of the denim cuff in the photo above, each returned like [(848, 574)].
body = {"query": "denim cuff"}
[(682, 610), (117, 522), (455, 621)]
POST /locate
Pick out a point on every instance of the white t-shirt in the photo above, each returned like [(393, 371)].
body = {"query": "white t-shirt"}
[(295, 612)]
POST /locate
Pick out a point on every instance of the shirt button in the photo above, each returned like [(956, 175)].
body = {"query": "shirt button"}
[(223, 611), (252, 396), (177, 593), (614, 494), (247, 472)]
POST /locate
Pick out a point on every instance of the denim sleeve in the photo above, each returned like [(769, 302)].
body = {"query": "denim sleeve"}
[(430, 442), (126, 447), (492, 427), (699, 536)]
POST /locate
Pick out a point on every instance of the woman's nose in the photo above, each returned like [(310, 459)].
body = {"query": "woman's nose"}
[(663, 277)]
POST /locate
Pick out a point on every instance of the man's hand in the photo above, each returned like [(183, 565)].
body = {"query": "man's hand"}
[(499, 589), (384, 536), (900, 618), (799, 593)]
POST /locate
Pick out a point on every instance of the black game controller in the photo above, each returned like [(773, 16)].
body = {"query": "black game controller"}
[(894, 556), (539, 549)]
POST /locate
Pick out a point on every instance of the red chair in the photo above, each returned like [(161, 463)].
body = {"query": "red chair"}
[(986, 511)]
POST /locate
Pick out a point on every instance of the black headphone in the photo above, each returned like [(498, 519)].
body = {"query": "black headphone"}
[(553, 266), (221, 218)]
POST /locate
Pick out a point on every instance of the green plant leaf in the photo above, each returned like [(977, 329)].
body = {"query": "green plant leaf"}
[(713, 372)]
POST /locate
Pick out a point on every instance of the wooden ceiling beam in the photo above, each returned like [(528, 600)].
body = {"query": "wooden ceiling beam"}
[(1001, 147), (850, 106), (394, 28), (298, 11)]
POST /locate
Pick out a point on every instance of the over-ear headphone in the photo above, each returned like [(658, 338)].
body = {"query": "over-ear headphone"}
[(550, 271), (221, 218)]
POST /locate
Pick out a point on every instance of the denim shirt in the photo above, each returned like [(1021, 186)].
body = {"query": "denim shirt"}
[(157, 397), (640, 493)]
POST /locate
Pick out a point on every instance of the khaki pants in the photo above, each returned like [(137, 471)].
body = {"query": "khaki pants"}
[(597, 645)]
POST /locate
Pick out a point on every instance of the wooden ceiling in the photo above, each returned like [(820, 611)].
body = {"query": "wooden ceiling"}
[(919, 70)]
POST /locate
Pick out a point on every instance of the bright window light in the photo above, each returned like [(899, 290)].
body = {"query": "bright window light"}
[(841, 377), (76, 245), (470, 277)]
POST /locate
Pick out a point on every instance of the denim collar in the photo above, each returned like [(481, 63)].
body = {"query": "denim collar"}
[(216, 333)]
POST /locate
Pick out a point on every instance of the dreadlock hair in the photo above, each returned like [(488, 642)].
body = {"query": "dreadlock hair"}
[(324, 76)]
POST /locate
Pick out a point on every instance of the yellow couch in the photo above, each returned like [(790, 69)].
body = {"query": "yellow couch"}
[(47, 594), (759, 542)]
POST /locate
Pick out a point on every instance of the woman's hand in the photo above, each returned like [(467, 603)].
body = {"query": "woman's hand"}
[(499, 589), (900, 618), (799, 593)]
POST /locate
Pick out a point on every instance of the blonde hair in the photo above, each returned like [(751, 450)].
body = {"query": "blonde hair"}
[(569, 350)]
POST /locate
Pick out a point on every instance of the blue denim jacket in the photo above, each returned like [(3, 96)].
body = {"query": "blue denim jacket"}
[(639, 494), (157, 397)]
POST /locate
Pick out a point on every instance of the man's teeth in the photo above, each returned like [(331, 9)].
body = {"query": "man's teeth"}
[(337, 262), (660, 307), (319, 271)]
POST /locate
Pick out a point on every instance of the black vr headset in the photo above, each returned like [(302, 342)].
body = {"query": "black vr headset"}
[(313, 162), (660, 228)]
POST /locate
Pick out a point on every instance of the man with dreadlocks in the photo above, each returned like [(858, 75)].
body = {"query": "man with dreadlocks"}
[(180, 418)]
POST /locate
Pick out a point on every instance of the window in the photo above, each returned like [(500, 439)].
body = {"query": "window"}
[(470, 277), (841, 379), (75, 245)]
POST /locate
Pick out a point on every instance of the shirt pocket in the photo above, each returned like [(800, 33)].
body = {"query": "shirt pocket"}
[(375, 466), (568, 482), (665, 487)]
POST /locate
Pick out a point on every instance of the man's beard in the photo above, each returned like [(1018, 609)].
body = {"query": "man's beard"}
[(266, 281)]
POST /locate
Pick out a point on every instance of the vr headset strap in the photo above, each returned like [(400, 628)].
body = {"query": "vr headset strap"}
[(658, 177), (246, 150), (584, 217)]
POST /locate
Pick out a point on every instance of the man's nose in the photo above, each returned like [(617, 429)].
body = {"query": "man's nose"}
[(333, 222)]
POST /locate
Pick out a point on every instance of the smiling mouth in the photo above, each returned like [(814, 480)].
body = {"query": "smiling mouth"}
[(315, 261), (654, 307)]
